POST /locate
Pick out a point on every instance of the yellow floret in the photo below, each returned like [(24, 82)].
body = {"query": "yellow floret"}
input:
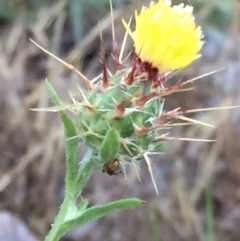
[(166, 36)]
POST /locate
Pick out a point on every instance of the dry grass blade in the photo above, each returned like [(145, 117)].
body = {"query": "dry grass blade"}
[(78, 52), (11, 175)]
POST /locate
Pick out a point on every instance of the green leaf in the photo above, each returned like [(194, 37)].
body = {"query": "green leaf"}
[(110, 146), (86, 167), (82, 205), (53, 94), (99, 211), (71, 143)]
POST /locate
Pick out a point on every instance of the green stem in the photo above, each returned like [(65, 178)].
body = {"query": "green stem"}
[(55, 233), (85, 171)]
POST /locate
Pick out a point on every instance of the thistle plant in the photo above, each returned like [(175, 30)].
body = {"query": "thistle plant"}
[(120, 117)]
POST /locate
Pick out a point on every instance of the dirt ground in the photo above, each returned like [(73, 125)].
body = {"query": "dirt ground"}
[(199, 183)]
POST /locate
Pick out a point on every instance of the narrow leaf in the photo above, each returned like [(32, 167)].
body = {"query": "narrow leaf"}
[(71, 142), (82, 205), (86, 167), (99, 211)]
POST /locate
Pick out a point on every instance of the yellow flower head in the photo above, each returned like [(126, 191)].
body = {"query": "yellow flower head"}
[(166, 36)]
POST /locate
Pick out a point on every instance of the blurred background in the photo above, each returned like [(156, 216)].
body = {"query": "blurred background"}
[(199, 183)]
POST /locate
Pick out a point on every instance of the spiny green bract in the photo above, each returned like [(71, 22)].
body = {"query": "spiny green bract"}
[(115, 108)]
